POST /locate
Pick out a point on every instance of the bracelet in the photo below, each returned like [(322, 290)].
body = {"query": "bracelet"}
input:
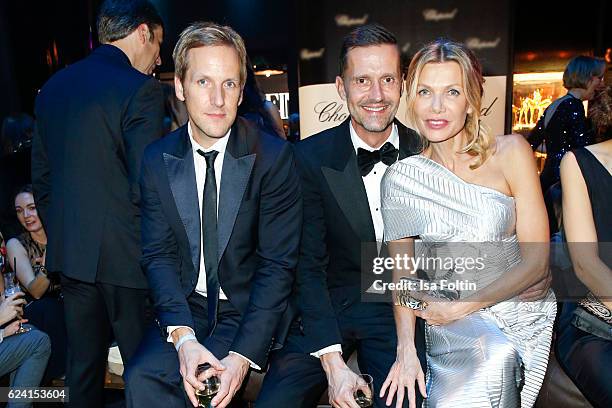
[(183, 339), (42, 269)]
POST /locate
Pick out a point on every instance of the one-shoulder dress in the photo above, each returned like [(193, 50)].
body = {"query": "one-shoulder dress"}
[(495, 357)]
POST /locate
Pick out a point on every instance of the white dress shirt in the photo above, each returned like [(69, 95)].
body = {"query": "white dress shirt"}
[(199, 163), (372, 186)]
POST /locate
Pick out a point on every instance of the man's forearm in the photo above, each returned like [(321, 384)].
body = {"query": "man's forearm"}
[(331, 362)]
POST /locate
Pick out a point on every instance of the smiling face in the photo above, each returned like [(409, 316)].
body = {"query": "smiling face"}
[(26, 212), (211, 90), (440, 104), (371, 85)]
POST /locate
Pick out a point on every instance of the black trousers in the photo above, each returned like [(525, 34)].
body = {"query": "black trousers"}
[(585, 358), (47, 315), (296, 379), (94, 312), (152, 378)]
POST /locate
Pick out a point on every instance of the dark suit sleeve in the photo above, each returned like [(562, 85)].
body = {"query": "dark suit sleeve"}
[(142, 124), (41, 173), (160, 259), (318, 316), (280, 221)]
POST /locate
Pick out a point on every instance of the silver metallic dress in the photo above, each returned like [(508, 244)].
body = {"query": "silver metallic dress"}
[(496, 357)]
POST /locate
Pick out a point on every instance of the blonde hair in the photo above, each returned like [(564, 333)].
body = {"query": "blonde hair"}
[(207, 34), (480, 140)]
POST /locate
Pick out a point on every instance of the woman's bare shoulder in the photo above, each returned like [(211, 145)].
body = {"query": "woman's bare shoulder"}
[(512, 146)]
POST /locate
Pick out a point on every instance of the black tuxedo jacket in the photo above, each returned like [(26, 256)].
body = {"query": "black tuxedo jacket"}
[(337, 221), (93, 122), (259, 222)]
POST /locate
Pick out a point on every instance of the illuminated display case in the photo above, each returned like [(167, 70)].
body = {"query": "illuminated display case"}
[(531, 95)]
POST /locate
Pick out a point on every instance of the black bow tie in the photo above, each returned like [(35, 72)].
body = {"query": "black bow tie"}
[(367, 159)]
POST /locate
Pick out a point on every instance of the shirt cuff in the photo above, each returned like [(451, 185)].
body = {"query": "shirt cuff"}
[(252, 364), (329, 349), (173, 328)]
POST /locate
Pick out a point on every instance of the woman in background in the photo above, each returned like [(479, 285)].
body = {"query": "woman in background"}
[(22, 355), (26, 255), (584, 341), (563, 125)]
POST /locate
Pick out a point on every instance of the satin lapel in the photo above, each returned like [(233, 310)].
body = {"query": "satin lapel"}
[(181, 175), (237, 168), (347, 186)]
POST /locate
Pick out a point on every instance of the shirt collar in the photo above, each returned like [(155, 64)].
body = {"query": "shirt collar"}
[(359, 143), (220, 145)]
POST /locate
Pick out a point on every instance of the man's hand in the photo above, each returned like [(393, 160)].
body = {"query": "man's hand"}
[(191, 355), (343, 382), (403, 374), (11, 307), (537, 291), (231, 379)]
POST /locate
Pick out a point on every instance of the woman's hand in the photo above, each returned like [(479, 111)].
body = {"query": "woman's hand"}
[(13, 327), (440, 312), (403, 374), (12, 307)]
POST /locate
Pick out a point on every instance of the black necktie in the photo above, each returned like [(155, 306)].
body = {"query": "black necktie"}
[(367, 159), (209, 237)]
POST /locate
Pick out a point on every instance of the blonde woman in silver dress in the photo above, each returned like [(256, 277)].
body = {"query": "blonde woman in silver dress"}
[(487, 348)]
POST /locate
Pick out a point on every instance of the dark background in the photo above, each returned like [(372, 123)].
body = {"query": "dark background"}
[(541, 32), (37, 38)]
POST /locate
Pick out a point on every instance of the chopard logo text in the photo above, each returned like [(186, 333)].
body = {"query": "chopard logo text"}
[(343, 20), (307, 54), (435, 15)]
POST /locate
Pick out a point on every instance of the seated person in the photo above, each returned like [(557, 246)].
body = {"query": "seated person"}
[(584, 338), (26, 255), (24, 355)]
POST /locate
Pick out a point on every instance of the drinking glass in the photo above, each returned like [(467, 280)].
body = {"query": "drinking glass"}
[(365, 400), (10, 288), (211, 387), (205, 396)]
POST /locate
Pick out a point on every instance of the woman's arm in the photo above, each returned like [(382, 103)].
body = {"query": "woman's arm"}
[(35, 285), (531, 229), (537, 135), (581, 233)]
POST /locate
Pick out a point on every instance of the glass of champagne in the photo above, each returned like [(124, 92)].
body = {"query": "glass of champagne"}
[(211, 387), (10, 288), (365, 400)]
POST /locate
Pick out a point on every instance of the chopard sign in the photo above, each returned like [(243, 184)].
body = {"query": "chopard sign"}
[(486, 111), (343, 20), (476, 43), (330, 111), (307, 54), (435, 15)]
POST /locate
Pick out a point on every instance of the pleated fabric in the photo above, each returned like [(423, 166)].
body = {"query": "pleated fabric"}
[(496, 357)]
